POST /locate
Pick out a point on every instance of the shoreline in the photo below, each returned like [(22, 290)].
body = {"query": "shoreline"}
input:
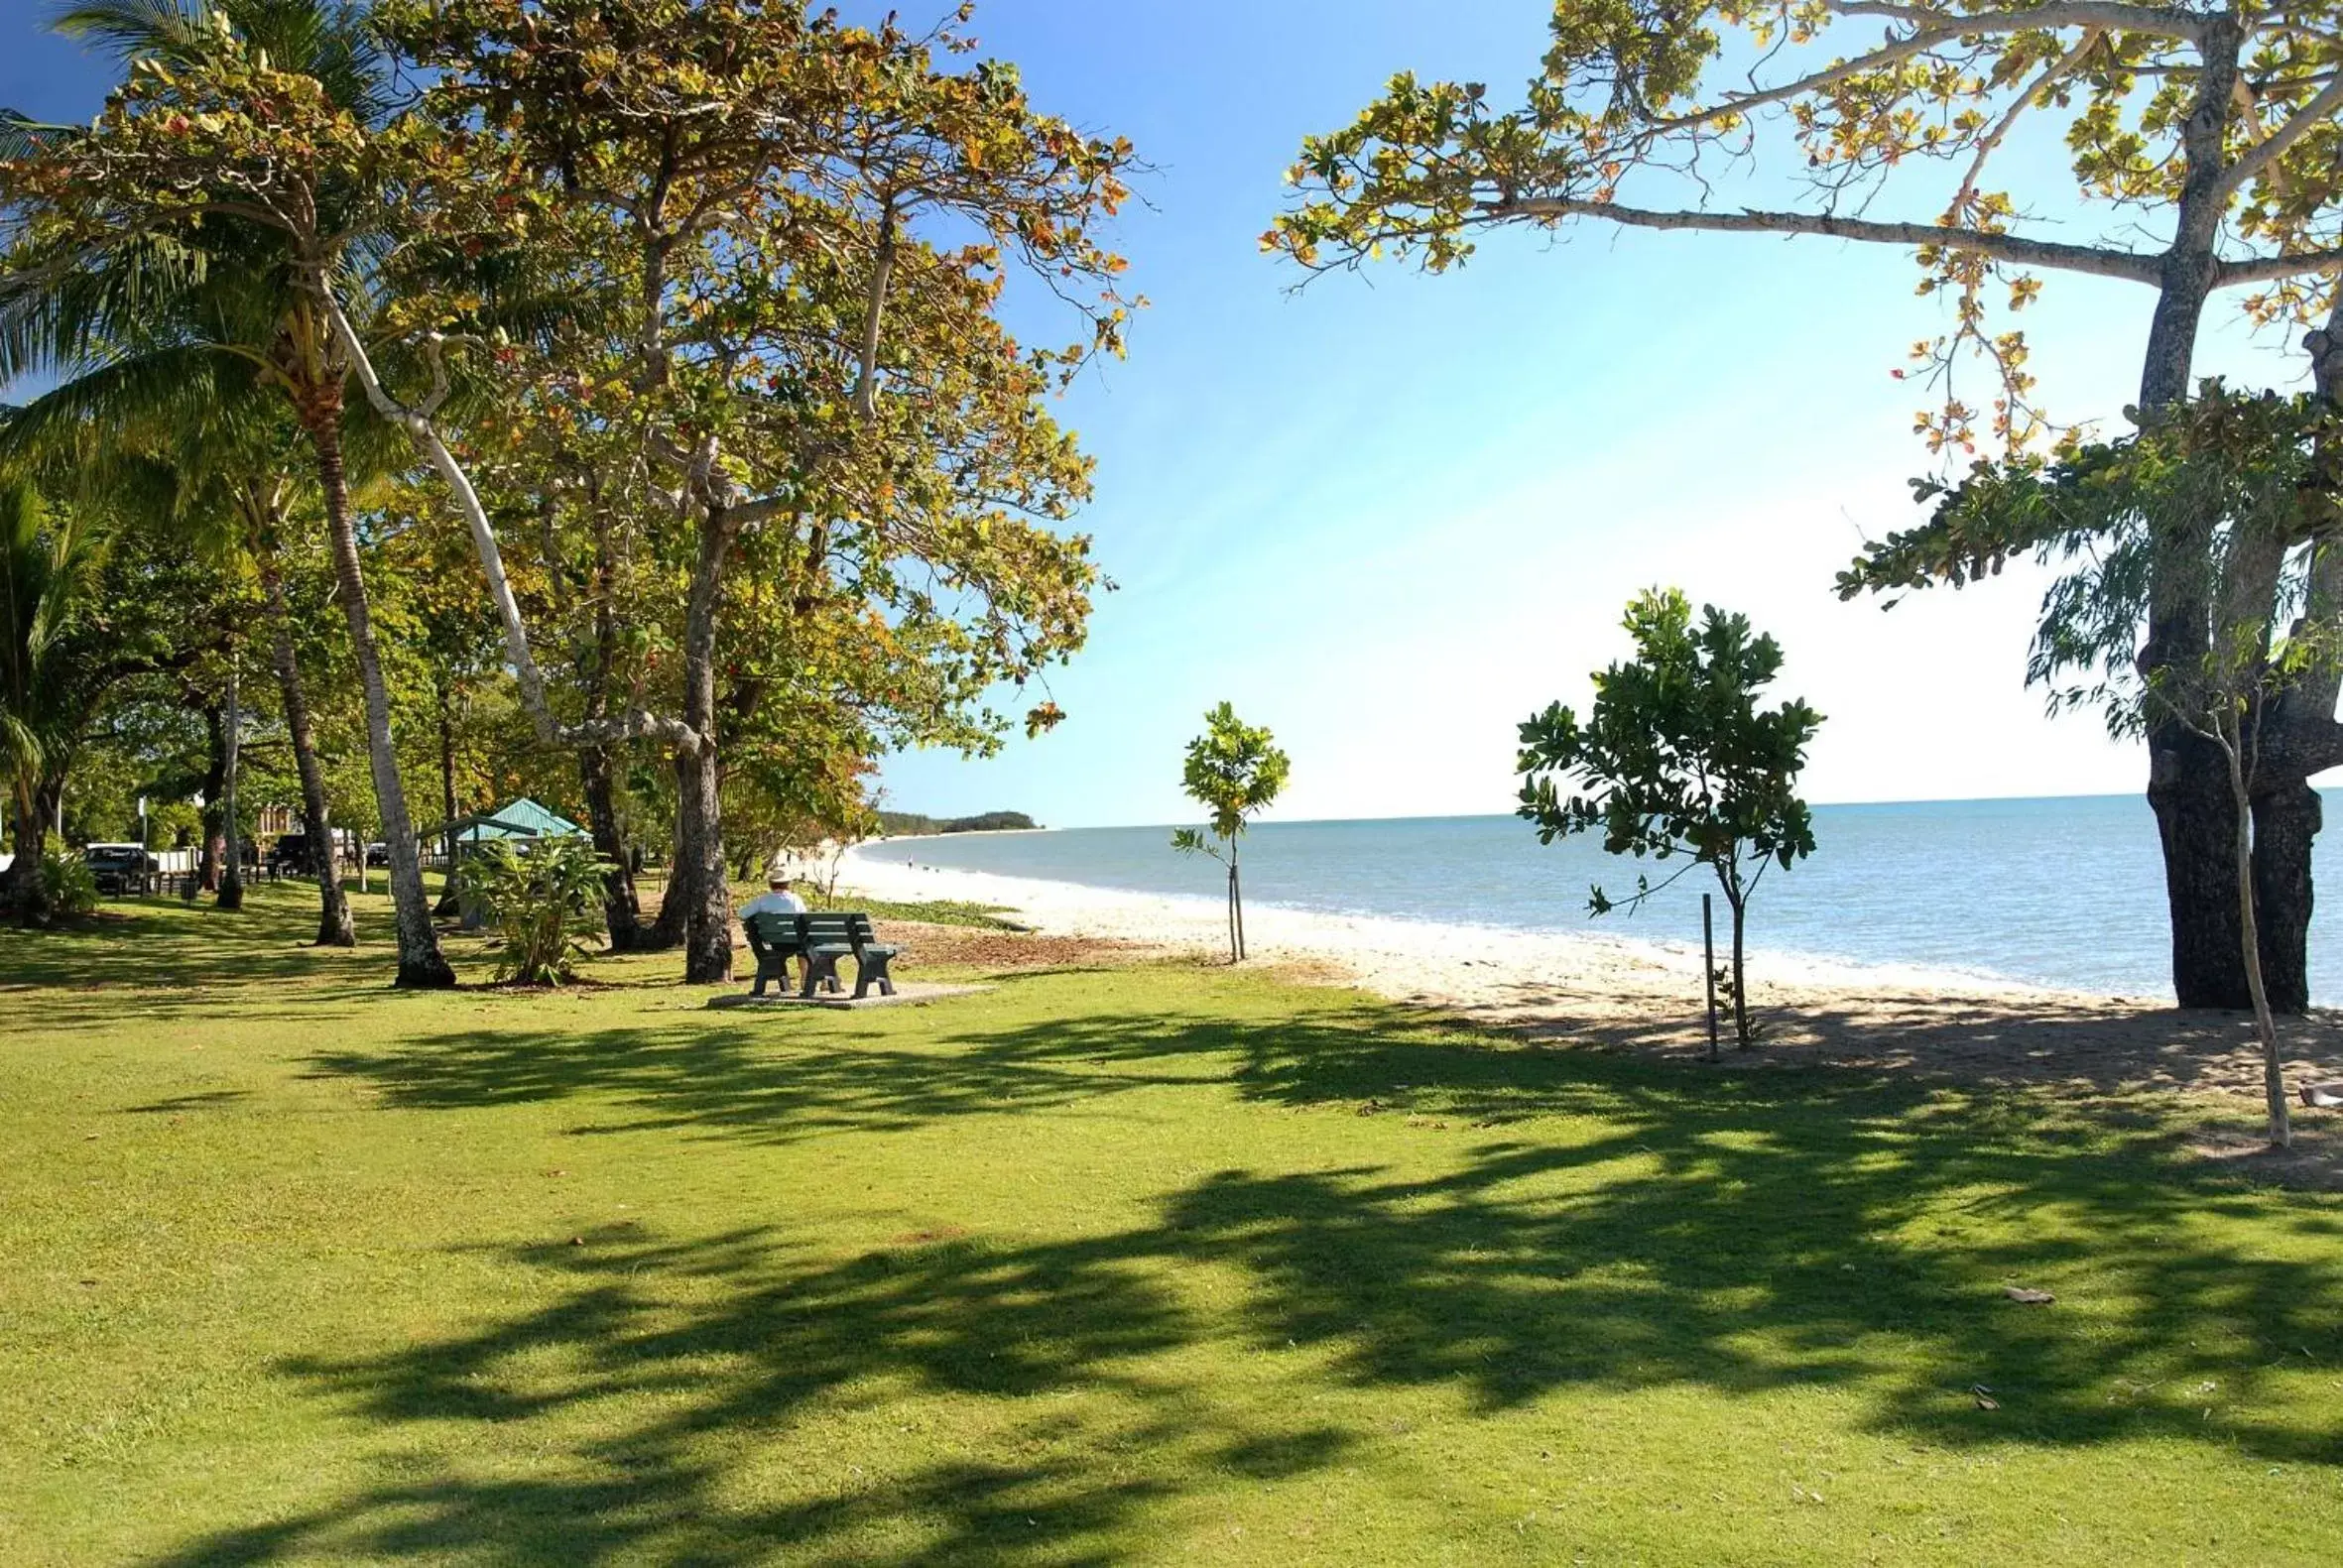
[(1612, 992), (1419, 960)]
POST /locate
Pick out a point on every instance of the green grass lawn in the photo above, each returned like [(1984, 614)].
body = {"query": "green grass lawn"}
[(1112, 1265)]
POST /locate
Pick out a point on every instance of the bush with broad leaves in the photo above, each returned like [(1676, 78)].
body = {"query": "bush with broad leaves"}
[(543, 896)]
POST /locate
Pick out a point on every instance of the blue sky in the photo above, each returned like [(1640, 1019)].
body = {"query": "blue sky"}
[(1390, 516)]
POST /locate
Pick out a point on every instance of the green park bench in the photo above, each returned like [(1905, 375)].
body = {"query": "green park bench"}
[(818, 942)]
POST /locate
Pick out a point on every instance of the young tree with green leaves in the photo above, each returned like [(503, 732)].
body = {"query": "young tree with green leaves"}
[(544, 897), (1676, 760), (2202, 136), (1233, 770)]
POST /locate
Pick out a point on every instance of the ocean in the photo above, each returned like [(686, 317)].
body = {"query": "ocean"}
[(2063, 891)]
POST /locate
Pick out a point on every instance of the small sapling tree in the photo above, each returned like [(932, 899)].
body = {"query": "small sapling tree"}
[(1234, 769), (1677, 760)]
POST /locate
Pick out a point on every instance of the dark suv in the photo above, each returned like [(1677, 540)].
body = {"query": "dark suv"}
[(290, 853), (120, 869)]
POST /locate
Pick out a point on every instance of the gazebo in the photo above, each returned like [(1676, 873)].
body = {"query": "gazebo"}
[(517, 819)]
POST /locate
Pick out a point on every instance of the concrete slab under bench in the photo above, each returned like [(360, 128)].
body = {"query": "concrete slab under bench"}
[(906, 991)]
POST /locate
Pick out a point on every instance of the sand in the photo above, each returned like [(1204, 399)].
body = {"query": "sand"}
[(1605, 991)]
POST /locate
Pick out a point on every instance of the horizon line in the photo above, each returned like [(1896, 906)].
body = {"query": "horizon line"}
[(1454, 817)]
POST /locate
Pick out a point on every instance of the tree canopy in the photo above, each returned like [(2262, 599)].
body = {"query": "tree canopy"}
[(1890, 123)]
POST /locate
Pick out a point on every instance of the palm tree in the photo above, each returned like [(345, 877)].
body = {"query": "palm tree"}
[(180, 419), (46, 558), (144, 309)]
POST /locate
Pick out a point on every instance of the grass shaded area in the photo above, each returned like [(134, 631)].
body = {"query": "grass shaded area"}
[(1107, 1264)]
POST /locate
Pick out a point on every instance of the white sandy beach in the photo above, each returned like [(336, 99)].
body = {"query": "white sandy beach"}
[(1602, 990), (1409, 960)]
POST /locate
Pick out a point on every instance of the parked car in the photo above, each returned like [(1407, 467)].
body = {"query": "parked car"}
[(378, 854), (290, 854), (120, 869)]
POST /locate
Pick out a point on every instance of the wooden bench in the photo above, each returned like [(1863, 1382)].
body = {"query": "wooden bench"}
[(818, 942)]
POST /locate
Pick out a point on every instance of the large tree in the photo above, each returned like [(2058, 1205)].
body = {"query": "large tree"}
[(791, 383), (192, 435), (2267, 471), (2204, 136), (47, 575)]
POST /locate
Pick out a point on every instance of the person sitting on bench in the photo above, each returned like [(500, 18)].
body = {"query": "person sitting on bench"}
[(775, 899)]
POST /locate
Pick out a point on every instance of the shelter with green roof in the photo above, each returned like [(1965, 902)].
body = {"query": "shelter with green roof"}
[(518, 819)]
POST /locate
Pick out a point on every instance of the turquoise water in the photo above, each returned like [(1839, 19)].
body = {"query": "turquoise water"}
[(2065, 892)]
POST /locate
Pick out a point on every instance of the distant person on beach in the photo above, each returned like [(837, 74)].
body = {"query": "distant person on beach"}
[(776, 900)]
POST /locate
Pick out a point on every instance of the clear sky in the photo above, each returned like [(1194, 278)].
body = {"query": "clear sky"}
[(1390, 516)]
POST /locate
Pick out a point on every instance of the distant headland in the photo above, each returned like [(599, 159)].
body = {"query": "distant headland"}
[(902, 824)]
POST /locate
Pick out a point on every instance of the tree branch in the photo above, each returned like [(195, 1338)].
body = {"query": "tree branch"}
[(866, 386), (2269, 269), (2315, 113), (2127, 265), (1992, 140), (1886, 54), (2114, 15), (426, 436)]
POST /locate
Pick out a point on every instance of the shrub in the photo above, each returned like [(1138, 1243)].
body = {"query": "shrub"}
[(542, 896), (69, 889), (59, 886)]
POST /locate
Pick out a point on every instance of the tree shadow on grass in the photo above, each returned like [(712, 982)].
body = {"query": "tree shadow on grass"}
[(664, 1372), (684, 1400), (179, 959), (1520, 1225), (762, 1081)]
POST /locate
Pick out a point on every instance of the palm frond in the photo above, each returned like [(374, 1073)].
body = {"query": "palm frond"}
[(139, 29), (332, 40), (62, 312), (138, 401), (22, 135)]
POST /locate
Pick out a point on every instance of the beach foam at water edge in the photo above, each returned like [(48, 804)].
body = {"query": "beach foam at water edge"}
[(1413, 960)]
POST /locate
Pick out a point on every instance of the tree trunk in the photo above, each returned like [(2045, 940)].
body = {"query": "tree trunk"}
[(702, 896), (2188, 780), (16, 883), (215, 783), (1739, 903), (2292, 741), (2197, 824), (334, 906), (451, 894), (622, 910), (421, 965), (700, 812), (231, 882), (36, 815), (682, 882), (2286, 820), (1236, 908), (597, 766)]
